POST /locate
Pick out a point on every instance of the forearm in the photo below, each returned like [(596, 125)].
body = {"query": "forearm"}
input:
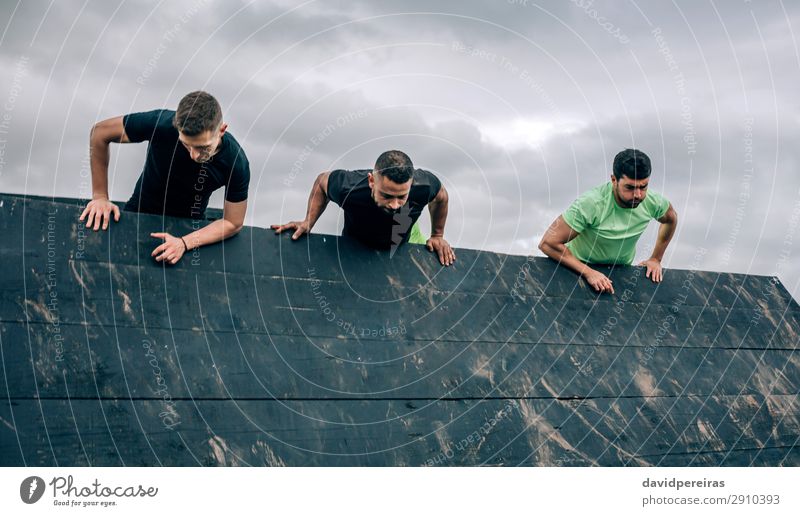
[(665, 233), (216, 231), (99, 153), (438, 211), (562, 254), (317, 201)]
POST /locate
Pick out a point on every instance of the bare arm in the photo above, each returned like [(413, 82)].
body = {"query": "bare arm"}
[(438, 211), (436, 243), (317, 201), (669, 223), (99, 209), (231, 223), (553, 244)]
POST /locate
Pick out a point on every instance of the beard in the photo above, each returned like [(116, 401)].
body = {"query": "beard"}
[(622, 203)]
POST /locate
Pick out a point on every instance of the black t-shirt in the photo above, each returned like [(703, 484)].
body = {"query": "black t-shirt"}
[(364, 220), (172, 183)]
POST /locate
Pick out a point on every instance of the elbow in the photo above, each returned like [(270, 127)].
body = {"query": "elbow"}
[(93, 132), (544, 246), (231, 228)]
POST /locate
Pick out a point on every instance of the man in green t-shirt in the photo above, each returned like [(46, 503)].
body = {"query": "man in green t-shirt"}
[(603, 225)]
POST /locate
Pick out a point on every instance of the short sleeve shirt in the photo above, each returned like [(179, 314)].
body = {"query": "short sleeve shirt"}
[(608, 233), (367, 222), (172, 183)]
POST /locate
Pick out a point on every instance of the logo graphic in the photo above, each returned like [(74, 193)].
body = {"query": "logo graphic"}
[(402, 225), (31, 489)]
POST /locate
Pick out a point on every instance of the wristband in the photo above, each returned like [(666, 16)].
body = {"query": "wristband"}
[(185, 247)]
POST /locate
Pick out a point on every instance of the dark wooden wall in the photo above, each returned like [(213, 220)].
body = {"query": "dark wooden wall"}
[(262, 351)]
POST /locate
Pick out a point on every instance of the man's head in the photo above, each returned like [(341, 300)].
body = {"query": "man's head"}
[(630, 178), (390, 180), (198, 119)]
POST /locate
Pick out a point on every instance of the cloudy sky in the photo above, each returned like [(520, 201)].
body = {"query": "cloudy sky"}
[(517, 105)]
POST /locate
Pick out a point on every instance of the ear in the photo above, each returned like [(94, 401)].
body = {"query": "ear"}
[(613, 180), (223, 128), (371, 180)]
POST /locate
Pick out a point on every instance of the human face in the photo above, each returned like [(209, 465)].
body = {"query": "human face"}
[(629, 193), (203, 146), (388, 195)]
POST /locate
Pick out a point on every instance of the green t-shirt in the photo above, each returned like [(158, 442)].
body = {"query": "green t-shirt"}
[(608, 233)]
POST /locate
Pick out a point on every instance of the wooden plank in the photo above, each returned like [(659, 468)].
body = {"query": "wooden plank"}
[(396, 432), (118, 362)]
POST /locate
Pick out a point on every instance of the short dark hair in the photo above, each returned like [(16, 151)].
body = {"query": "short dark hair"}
[(197, 113), (395, 165), (633, 164)]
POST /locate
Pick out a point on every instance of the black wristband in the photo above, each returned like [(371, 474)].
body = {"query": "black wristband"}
[(185, 247)]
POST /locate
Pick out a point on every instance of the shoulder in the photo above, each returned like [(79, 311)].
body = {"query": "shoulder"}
[(656, 204), (145, 125), (156, 117), (234, 153), (596, 197), (342, 183), (426, 182), (425, 177), (586, 209), (349, 178)]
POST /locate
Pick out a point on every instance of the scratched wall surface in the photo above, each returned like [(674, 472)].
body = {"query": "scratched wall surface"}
[(262, 351)]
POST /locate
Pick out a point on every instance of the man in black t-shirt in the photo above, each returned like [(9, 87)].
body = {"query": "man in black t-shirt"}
[(382, 205), (189, 155)]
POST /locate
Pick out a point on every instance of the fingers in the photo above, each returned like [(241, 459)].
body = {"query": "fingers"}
[(603, 284), (649, 273), (280, 228), (447, 256), (85, 211), (441, 251), (167, 255), (159, 249), (658, 274), (98, 218), (297, 234), (159, 235), (115, 209)]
